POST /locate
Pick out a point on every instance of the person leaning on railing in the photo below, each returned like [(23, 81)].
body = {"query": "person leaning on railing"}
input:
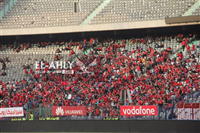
[(14, 119), (18, 119), (55, 118), (42, 118), (111, 118), (49, 118), (31, 116)]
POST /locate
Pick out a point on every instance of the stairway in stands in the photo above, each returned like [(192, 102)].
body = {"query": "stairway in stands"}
[(196, 42), (95, 12), (192, 9), (6, 7)]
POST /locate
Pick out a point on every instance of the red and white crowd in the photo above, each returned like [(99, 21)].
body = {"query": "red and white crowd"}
[(151, 76)]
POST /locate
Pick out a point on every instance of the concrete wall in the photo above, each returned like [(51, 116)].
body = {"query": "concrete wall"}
[(102, 126), (88, 28), (185, 19)]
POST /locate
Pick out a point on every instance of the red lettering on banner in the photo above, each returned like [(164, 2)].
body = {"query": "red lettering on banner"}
[(10, 112), (138, 110), (68, 110)]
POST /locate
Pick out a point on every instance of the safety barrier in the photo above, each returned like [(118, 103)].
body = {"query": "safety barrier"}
[(102, 126), (185, 19)]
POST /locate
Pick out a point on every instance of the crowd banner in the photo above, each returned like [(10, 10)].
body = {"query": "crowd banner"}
[(138, 111), (196, 111), (188, 111), (11, 112), (68, 110)]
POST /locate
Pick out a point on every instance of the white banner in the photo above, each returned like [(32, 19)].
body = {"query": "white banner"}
[(185, 113), (196, 113), (11, 112)]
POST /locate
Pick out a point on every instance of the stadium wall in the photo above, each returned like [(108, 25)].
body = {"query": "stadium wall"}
[(128, 126), (89, 28), (186, 19)]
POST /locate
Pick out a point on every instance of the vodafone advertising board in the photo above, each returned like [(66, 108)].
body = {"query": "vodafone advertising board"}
[(11, 112), (68, 110), (138, 110)]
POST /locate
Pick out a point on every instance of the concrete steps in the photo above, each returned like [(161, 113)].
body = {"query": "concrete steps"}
[(95, 12), (7, 8), (184, 53), (192, 9)]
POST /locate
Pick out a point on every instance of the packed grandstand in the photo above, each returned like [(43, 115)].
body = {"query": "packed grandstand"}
[(156, 71), (149, 77)]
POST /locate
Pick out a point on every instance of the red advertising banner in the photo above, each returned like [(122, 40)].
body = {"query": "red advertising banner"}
[(138, 110), (11, 112), (68, 110)]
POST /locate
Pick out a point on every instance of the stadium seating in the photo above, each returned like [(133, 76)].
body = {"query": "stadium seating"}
[(40, 13), (133, 10), (157, 70), (2, 3), (28, 57), (133, 50), (197, 11), (48, 53)]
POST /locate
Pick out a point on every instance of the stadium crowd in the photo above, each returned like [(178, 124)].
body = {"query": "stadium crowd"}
[(151, 76)]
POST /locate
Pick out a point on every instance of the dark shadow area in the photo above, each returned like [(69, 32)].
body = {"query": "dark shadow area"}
[(102, 126), (125, 34)]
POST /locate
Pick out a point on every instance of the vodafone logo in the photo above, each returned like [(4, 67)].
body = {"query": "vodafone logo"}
[(59, 111), (138, 110)]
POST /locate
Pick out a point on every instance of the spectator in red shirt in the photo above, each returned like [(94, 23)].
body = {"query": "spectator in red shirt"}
[(183, 43), (100, 90)]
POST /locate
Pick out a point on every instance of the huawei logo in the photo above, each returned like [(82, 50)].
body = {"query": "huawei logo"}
[(59, 111)]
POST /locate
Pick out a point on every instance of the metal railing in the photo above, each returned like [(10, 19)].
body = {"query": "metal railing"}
[(45, 113)]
